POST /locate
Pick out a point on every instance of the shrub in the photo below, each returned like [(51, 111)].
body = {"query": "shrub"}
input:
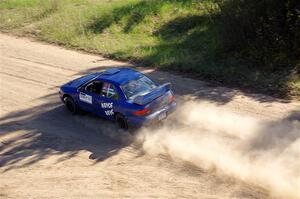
[(266, 32)]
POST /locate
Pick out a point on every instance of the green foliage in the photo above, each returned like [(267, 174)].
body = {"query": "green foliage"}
[(18, 13), (12, 4), (251, 43), (266, 32)]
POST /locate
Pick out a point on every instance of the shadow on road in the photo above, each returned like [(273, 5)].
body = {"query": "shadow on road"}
[(185, 86), (48, 129), (181, 85), (277, 135)]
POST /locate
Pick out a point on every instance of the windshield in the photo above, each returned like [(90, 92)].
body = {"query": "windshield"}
[(139, 86)]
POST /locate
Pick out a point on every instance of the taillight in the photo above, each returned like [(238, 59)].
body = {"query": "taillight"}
[(141, 112), (171, 98)]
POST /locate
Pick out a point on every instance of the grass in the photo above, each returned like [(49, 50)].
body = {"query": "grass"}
[(181, 35)]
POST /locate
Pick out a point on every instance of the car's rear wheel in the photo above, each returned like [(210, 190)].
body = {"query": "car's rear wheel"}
[(70, 104), (121, 121)]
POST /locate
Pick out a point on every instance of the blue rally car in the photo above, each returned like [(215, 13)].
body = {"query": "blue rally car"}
[(119, 94)]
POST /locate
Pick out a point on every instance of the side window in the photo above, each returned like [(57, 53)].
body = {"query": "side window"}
[(94, 87), (109, 91)]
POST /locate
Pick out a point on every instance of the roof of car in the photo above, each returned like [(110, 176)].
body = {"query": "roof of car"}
[(119, 75)]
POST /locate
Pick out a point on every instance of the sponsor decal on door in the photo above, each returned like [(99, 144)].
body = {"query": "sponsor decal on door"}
[(85, 98)]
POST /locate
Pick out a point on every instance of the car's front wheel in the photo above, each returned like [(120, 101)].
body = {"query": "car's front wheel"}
[(70, 104), (121, 121)]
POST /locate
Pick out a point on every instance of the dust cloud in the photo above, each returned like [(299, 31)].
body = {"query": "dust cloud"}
[(261, 152)]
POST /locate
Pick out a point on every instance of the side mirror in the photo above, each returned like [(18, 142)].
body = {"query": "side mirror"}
[(80, 89)]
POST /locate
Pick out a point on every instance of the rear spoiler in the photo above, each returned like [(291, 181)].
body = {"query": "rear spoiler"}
[(157, 92)]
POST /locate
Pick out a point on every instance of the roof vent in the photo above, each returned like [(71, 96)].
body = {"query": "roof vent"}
[(111, 71)]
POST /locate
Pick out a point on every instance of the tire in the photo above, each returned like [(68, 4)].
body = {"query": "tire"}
[(71, 106), (121, 121)]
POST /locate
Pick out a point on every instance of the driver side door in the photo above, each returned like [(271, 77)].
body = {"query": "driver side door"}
[(88, 96), (100, 98), (108, 100)]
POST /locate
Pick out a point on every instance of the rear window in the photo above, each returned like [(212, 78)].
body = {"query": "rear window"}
[(140, 86)]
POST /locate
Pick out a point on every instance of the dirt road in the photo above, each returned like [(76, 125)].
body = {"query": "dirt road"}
[(47, 153)]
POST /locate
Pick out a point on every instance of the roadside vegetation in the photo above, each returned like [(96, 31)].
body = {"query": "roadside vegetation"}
[(251, 44)]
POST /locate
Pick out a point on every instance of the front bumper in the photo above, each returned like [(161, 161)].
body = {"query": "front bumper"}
[(153, 117)]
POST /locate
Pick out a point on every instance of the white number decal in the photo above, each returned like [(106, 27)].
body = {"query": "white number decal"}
[(109, 112), (108, 106)]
